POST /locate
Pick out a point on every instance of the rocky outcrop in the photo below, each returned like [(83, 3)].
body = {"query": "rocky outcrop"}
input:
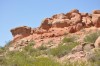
[(96, 11), (58, 25), (21, 32), (46, 24), (96, 20)]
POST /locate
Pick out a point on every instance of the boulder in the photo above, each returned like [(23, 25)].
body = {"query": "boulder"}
[(96, 20), (78, 27), (46, 24), (60, 23), (77, 49), (96, 12), (87, 21), (97, 43), (84, 14), (75, 18), (59, 16), (71, 29), (74, 11), (21, 32), (40, 31)]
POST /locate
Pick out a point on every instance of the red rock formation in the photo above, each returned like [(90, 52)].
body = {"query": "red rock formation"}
[(96, 20), (46, 24), (96, 11), (58, 25), (21, 32)]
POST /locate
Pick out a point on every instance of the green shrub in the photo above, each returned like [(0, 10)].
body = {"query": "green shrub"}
[(91, 38), (2, 50), (31, 43), (18, 59), (68, 39), (93, 55), (29, 48), (45, 61), (81, 63), (2, 60), (42, 47), (62, 50)]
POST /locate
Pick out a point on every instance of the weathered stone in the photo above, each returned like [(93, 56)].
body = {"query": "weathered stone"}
[(84, 14), (71, 29), (46, 24), (78, 27), (74, 11), (77, 49), (96, 12), (60, 23), (96, 20), (59, 16), (75, 18), (21, 32), (40, 31), (97, 43), (87, 21), (56, 27)]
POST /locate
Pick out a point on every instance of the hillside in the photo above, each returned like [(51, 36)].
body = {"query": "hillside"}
[(70, 39)]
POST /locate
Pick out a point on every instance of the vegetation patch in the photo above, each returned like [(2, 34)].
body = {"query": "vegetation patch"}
[(45, 61), (91, 38), (62, 50), (68, 39)]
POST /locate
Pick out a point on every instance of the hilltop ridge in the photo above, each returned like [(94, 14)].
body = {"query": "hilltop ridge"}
[(57, 26)]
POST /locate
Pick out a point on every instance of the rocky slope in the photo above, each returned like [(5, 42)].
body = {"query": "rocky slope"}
[(73, 36), (54, 28)]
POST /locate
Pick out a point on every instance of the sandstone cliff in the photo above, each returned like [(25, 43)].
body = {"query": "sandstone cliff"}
[(54, 28)]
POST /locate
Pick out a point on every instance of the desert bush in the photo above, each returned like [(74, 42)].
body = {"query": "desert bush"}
[(29, 48), (62, 50), (2, 50), (91, 38), (42, 47), (31, 43), (81, 63), (45, 61), (2, 60), (18, 59), (68, 39), (93, 55)]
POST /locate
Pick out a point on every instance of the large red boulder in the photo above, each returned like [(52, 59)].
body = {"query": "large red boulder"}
[(87, 20), (61, 23), (96, 20), (21, 32), (46, 24), (78, 27), (75, 18)]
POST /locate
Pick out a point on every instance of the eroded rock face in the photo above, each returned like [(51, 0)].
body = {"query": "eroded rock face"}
[(46, 24), (96, 20), (21, 32), (76, 18), (58, 25), (87, 20)]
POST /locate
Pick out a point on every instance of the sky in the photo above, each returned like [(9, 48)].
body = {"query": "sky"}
[(14, 13)]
